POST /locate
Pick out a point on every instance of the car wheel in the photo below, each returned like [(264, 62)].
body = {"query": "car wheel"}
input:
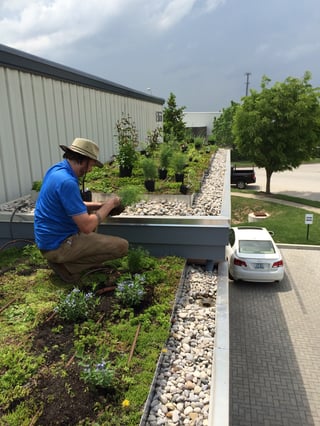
[(241, 184)]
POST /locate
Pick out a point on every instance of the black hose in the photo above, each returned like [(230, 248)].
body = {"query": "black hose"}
[(23, 204), (18, 240)]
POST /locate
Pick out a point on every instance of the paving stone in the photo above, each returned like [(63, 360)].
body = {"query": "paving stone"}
[(275, 347)]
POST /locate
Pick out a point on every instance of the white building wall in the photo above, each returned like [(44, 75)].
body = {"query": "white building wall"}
[(38, 113), (201, 119)]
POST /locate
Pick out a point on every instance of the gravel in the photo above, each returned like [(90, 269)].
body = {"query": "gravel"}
[(207, 203), (182, 387), (181, 394)]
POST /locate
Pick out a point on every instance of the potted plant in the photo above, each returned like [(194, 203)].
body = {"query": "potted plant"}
[(164, 159), (127, 143), (178, 163), (191, 177), (198, 142), (129, 195), (35, 189), (149, 168)]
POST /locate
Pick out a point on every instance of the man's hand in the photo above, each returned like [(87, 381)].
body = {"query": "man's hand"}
[(88, 222)]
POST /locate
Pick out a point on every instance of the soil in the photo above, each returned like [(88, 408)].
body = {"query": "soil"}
[(62, 397), (66, 399)]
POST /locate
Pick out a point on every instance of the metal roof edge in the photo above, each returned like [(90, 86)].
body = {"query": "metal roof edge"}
[(16, 59)]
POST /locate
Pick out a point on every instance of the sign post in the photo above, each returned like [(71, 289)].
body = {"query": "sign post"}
[(308, 221)]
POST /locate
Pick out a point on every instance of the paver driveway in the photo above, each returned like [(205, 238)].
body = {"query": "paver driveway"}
[(275, 346)]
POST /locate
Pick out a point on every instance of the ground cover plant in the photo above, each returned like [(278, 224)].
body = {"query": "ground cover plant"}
[(83, 354)]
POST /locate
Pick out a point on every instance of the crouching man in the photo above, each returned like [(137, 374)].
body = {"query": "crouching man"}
[(64, 224)]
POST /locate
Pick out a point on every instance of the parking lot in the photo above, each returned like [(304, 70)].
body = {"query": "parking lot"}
[(275, 346)]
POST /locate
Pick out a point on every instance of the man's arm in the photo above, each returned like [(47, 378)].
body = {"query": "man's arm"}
[(92, 206), (88, 222)]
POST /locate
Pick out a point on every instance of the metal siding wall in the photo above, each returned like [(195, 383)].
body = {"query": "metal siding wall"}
[(52, 123), (37, 114), (9, 179), (62, 139), (46, 156), (21, 165), (31, 129)]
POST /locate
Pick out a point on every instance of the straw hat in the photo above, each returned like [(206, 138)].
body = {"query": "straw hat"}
[(84, 147)]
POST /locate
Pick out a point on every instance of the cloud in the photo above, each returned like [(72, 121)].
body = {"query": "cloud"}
[(210, 5), (42, 25), (39, 26), (166, 14)]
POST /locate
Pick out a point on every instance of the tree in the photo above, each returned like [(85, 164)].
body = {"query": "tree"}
[(173, 124), (222, 126), (279, 127), (222, 130)]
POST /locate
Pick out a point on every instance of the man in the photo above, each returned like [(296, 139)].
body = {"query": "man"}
[(63, 223)]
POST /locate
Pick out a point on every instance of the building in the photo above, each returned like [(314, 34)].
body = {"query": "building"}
[(201, 123), (45, 104)]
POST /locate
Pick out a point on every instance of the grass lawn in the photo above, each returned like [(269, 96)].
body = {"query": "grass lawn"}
[(288, 223)]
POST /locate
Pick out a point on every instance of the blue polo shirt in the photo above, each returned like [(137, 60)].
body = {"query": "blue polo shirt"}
[(59, 199)]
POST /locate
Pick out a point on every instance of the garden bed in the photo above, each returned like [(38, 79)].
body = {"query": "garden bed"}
[(43, 357), (114, 330)]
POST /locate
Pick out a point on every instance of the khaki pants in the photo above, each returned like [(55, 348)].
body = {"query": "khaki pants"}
[(83, 251)]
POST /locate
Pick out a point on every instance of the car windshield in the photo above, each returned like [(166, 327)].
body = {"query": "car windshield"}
[(257, 247)]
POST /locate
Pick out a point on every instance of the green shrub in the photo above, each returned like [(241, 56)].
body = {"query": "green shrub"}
[(165, 155), (178, 162), (149, 168)]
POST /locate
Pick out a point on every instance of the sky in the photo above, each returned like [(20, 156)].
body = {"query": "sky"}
[(206, 52)]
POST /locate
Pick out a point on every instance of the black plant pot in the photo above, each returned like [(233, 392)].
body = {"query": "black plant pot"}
[(183, 189), (163, 173), (149, 185), (125, 171), (179, 177), (117, 210)]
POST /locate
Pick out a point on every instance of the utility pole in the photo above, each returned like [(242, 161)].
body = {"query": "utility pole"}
[(247, 82)]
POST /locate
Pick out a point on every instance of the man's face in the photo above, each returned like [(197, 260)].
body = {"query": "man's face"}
[(86, 166)]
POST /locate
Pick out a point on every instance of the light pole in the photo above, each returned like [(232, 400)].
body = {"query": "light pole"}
[(247, 82)]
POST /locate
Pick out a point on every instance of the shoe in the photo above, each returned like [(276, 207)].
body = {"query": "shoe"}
[(63, 273)]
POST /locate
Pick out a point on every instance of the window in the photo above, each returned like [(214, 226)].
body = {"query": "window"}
[(158, 116), (256, 247)]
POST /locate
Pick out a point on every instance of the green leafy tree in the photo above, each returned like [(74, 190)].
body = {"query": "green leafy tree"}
[(279, 127), (222, 130), (222, 126), (173, 125)]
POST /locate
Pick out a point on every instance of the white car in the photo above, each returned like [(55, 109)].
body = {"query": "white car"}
[(253, 255)]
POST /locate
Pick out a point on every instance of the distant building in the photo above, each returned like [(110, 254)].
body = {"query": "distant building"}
[(201, 123)]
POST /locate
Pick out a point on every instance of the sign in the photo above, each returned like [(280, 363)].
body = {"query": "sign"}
[(308, 219)]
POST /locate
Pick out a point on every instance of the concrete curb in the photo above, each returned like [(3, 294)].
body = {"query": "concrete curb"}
[(219, 397)]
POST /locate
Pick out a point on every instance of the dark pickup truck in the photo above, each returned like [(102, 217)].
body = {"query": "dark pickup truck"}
[(241, 177)]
